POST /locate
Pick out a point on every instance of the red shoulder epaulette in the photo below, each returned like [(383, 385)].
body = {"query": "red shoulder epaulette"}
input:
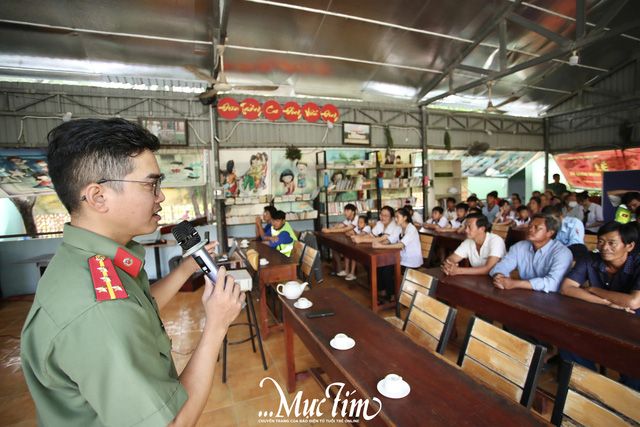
[(106, 283)]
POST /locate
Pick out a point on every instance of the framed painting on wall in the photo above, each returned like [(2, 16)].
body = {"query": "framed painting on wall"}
[(170, 132), (356, 133)]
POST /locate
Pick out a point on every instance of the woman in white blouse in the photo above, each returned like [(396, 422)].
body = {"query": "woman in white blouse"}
[(408, 241)]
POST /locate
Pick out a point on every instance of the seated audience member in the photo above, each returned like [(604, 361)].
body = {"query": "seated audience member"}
[(535, 194), (522, 216), (385, 228), (408, 240), (437, 219), (544, 201), (280, 235), (416, 218), (482, 248), (456, 224), (350, 223), (542, 262), (614, 279), (631, 199), (515, 202), (505, 215), (572, 208), (534, 206), (556, 187), (267, 215), (571, 233), (362, 228), (475, 210), (450, 211), (591, 213), (473, 202), (491, 209)]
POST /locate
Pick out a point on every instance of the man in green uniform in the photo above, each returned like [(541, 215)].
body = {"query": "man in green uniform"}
[(280, 236), (94, 350)]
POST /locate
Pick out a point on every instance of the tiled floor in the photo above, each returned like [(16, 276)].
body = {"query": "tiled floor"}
[(236, 403)]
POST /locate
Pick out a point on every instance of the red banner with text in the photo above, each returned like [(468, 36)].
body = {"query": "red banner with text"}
[(584, 170), (229, 109)]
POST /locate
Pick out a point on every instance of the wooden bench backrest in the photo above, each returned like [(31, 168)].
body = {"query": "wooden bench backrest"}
[(500, 230), (426, 244), (505, 362), (590, 241), (298, 249), (416, 281), (587, 398), (307, 261), (429, 322)]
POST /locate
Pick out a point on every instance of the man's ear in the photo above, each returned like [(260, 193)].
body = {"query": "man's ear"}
[(94, 197), (630, 246)]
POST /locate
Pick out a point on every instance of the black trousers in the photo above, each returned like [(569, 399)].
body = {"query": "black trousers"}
[(386, 278)]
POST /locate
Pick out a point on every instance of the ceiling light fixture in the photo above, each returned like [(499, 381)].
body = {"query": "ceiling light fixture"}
[(574, 59)]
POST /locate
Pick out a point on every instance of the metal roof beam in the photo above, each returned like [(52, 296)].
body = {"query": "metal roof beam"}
[(611, 12), (581, 18), (477, 70), (544, 32), (478, 38), (503, 44), (589, 40)]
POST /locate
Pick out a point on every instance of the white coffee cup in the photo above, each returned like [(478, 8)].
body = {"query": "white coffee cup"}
[(341, 339), (263, 261), (303, 302), (393, 383), (244, 242)]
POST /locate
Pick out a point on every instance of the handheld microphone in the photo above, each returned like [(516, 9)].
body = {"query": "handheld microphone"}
[(189, 239)]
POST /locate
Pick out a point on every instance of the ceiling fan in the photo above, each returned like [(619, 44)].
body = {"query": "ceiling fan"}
[(221, 84), (495, 108), (477, 148)]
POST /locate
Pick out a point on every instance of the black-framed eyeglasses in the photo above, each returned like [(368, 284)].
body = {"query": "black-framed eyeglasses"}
[(155, 184)]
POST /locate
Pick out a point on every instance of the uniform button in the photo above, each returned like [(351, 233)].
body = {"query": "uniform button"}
[(127, 262)]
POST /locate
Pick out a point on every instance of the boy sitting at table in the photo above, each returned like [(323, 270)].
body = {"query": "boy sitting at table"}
[(362, 228), (522, 216), (350, 223), (437, 219), (482, 248), (280, 235), (614, 279), (267, 216), (505, 215), (457, 224)]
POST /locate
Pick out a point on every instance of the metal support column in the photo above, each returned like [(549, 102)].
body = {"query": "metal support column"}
[(216, 191), (546, 152), (424, 123)]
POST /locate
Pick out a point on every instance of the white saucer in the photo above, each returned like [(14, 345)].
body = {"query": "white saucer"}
[(244, 246), (349, 344), (405, 389), (301, 307), (264, 262)]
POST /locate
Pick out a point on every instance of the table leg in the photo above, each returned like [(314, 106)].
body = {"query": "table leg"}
[(263, 310), (373, 277), (289, 354)]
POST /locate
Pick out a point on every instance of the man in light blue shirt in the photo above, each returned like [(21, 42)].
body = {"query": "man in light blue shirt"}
[(571, 233), (490, 210), (542, 261)]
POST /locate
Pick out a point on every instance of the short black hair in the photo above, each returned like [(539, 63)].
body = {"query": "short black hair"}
[(628, 232), (516, 198), (522, 208), (366, 219), (550, 222), (493, 194), (350, 207), (84, 151), (286, 172), (556, 174), (503, 202), (408, 207), (272, 210), (581, 197), (481, 221), (438, 209), (536, 199), (279, 215), (389, 209), (553, 210), (462, 205), (475, 210), (629, 196), (451, 199), (515, 194), (472, 199)]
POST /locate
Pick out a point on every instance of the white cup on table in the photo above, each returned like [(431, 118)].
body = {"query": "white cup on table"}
[(393, 383)]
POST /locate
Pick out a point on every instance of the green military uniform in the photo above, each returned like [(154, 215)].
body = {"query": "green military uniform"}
[(88, 362)]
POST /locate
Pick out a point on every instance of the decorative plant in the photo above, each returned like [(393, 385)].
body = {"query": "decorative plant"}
[(447, 140), (387, 133), (293, 153)]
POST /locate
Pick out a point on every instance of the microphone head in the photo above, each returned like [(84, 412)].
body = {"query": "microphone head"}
[(186, 235)]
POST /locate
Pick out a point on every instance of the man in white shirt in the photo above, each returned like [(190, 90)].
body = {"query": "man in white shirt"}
[(350, 223), (482, 248), (591, 214)]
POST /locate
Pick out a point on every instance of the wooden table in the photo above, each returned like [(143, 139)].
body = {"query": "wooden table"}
[(280, 269), (602, 334), (365, 254), (441, 393), (449, 241), (516, 234)]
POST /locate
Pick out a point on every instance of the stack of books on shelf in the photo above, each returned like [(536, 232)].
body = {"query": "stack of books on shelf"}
[(292, 198), (416, 181), (355, 183), (400, 203), (247, 200), (361, 205), (294, 216)]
